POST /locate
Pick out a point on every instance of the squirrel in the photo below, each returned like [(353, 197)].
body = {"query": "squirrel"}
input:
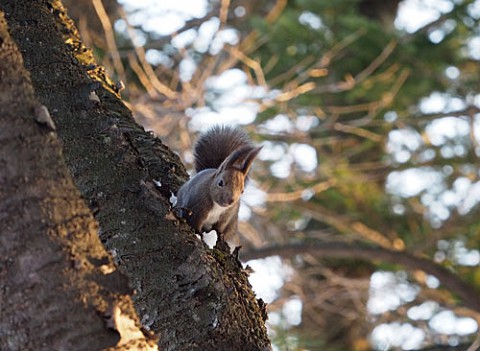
[(211, 198)]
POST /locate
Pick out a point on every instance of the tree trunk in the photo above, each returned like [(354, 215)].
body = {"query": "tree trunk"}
[(58, 286), (197, 299)]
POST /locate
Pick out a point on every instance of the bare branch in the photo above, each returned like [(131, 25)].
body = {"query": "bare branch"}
[(253, 64), (298, 194), (438, 22), (346, 226), (147, 68), (110, 37), (468, 294)]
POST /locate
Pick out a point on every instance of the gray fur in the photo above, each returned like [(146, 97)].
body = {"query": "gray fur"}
[(211, 198)]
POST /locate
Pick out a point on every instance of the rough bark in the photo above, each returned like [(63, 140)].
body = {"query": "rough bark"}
[(58, 286), (195, 298)]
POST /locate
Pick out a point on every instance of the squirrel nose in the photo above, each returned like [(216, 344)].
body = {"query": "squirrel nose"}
[(228, 201)]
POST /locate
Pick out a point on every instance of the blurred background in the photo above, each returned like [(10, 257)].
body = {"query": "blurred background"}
[(369, 114)]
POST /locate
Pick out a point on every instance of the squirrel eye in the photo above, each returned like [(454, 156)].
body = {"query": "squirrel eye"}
[(220, 183)]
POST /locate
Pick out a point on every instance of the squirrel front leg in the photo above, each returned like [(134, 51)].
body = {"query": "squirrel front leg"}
[(231, 228), (225, 233), (197, 220), (227, 226), (192, 216)]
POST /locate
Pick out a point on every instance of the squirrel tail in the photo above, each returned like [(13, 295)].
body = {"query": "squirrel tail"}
[(215, 145)]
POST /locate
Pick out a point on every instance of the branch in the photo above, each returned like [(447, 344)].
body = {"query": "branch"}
[(470, 297), (146, 70), (110, 37), (438, 22), (159, 43), (461, 347), (298, 194), (345, 225), (361, 76)]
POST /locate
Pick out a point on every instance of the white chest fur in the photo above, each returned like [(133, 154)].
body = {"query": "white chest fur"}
[(213, 216)]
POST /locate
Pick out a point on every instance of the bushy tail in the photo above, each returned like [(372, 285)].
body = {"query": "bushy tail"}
[(214, 146)]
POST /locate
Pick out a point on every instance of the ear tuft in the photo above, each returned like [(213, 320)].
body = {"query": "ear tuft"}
[(250, 157), (241, 159)]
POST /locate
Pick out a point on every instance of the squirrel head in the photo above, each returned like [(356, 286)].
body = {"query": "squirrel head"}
[(229, 179)]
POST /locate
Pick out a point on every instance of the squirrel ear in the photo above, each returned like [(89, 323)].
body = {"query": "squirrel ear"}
[(241, 159), (248, 160)]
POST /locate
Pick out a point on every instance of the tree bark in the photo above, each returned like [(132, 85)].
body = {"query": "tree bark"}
[(197, 299), (58, 286)]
